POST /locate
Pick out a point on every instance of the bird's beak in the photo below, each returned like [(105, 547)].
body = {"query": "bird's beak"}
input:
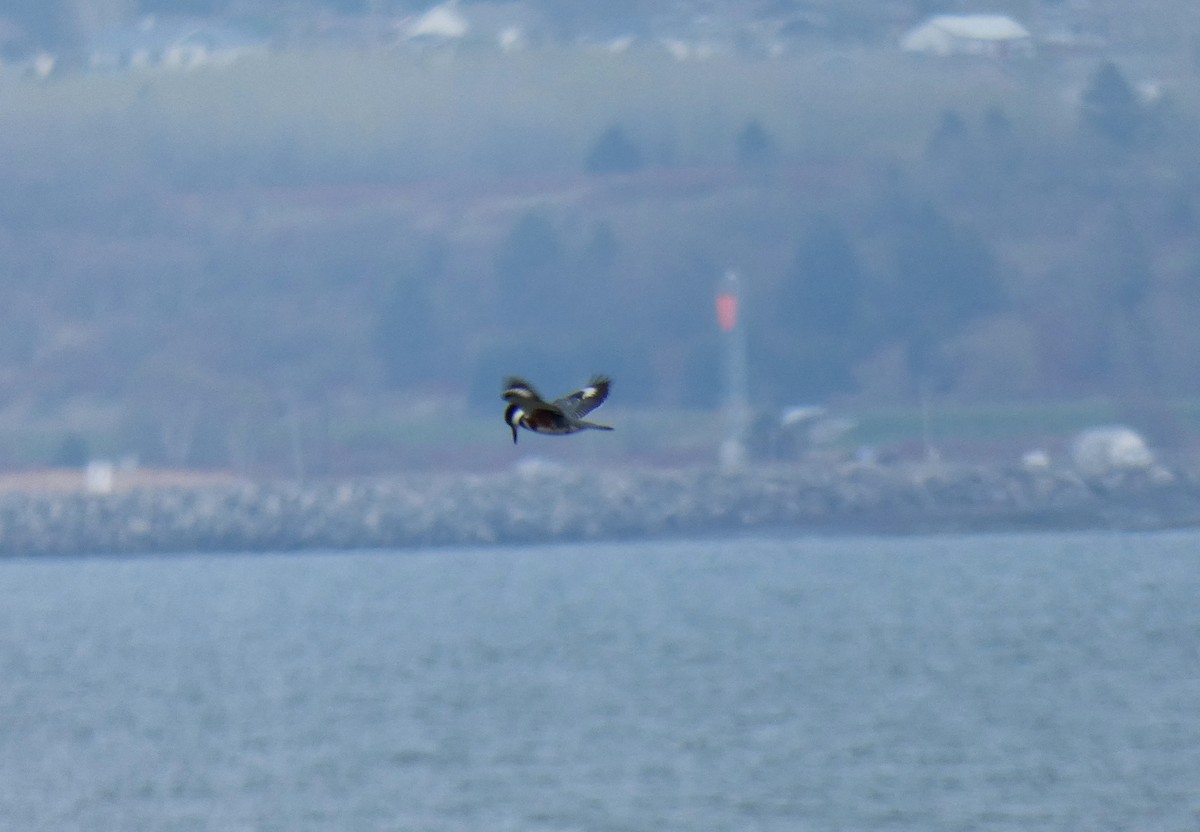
[(514, 430)]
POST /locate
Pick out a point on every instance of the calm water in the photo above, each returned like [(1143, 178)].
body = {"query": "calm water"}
[(953, 683)]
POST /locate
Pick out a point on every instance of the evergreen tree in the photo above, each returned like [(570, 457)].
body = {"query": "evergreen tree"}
[(72, 452), (614, 152), (1110, 108), (948, 138), (817, 314), (944, 277), (406, 339), (1130, 275), (822, 290), (538, 310), (997, 125), (755, 147)]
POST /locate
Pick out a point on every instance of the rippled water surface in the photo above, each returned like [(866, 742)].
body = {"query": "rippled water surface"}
[(949, 683)]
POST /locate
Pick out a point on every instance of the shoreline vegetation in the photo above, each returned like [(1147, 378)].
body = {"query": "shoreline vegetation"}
[(544, 504)]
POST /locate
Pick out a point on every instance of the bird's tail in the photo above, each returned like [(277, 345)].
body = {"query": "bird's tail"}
[(595, 426)]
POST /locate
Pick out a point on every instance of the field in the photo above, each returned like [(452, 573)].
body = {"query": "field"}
[(386, 113)]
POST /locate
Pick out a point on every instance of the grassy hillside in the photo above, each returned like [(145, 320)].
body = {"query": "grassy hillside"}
[(326, 260), (402, 115)]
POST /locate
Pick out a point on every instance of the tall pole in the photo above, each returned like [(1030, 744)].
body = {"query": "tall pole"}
[(736, 400)]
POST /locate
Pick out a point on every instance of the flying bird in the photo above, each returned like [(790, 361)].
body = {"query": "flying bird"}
[(528, 410)]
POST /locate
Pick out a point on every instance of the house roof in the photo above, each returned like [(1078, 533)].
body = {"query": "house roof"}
[(992, 27), (444, 21)]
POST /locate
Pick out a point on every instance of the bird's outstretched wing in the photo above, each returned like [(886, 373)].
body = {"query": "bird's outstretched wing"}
[(582, 402)]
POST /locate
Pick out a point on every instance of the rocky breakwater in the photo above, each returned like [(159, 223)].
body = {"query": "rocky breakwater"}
[(548, 504)]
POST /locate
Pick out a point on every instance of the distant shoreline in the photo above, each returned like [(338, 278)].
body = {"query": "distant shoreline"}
[(553, 505)]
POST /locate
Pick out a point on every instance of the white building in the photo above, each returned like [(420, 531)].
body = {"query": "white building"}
[(443, 22), (507, 26), (178, 43), (990, 35)]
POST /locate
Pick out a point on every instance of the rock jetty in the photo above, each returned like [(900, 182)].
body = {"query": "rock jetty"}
[(550, 504)]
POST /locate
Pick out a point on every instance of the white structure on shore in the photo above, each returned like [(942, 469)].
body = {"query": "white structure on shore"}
[(170, 43), (1100, 451), (989, 35)]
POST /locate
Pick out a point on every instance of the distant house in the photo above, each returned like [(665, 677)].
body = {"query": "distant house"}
[(169, 44), (444, 22), (507, 26), (990, 35)]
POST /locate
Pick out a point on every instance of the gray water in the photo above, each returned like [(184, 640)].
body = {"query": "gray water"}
[(949, 683)]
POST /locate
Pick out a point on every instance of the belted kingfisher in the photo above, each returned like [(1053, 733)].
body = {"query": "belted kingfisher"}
[(527, 409)]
